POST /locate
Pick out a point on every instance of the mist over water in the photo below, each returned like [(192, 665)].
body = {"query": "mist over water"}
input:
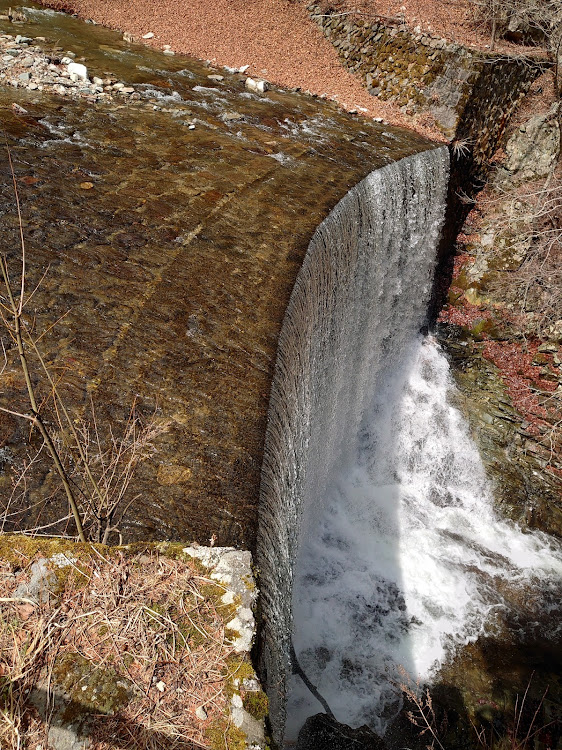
[(407, 554)]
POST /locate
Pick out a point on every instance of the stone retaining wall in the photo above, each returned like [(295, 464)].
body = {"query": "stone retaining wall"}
[(469, 94)]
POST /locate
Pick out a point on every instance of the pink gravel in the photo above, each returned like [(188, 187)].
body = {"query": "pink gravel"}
[(276, 38)]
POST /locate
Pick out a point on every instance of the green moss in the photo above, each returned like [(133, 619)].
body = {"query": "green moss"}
[(223, 735), (256, 704), (16, 549), (238, 669), (92, 689)]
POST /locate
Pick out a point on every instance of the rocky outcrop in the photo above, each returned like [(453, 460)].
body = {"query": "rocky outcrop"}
[(534, 148), (48, 586)]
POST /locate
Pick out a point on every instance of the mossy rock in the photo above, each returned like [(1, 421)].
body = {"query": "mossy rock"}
[(223, 735), (256, 704), (92, 689)]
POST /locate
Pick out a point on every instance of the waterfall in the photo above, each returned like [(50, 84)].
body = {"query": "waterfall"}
[(379, 549), (408, 559), (359, 300)]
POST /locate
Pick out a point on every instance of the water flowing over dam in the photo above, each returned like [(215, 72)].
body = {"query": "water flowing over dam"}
[(253, 272), (379, 548), (360, 296)]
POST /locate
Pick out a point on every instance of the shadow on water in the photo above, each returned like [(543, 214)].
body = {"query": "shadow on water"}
[(351, 621)]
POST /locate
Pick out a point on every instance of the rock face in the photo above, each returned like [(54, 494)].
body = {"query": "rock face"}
[(322, 732), (534, 148)]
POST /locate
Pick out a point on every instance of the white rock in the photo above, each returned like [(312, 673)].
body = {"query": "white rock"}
[(80, 70), (201, 713), (243, 69), (237, 701), (258, 87), (150, 35)]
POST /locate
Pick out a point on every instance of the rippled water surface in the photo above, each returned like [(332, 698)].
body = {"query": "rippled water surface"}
[(170, 231)]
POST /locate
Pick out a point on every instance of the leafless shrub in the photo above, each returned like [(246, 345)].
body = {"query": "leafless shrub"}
[(421, 713), (95, 472), (521, 733), (532, 21)]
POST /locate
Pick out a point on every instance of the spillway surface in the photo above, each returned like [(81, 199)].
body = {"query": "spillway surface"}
[(172, 229), (407, 559), (360, 296)]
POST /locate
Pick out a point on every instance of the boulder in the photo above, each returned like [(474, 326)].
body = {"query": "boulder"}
[(534, 148)]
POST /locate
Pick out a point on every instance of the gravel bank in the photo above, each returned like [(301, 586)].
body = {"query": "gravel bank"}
[(275, 38)]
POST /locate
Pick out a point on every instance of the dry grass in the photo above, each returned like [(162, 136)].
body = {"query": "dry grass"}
[(421, 713), (143, 625), (520, 732)]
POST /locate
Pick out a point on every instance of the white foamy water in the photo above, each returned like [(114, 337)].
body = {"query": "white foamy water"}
[(400, 561)]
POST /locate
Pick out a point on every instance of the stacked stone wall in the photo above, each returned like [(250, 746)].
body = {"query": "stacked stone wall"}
[(469, 94)]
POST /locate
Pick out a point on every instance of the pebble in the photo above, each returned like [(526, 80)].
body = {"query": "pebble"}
[(79, 70), (201, 713), (30, 67), (231, 116), (149, 35)]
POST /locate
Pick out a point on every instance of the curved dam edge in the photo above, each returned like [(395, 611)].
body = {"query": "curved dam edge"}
[(362, 292)]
